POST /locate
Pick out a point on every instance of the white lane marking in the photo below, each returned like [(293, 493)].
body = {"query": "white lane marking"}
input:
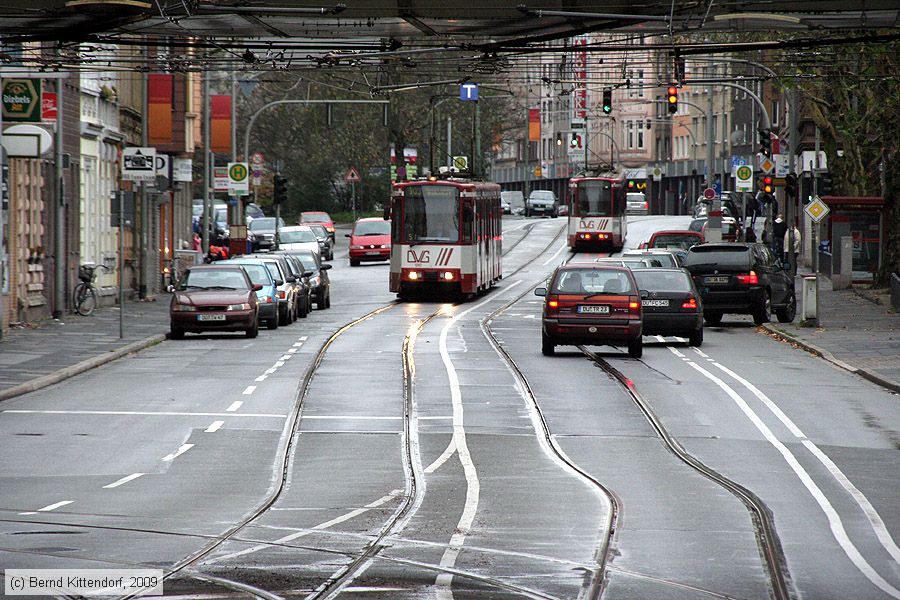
[(292, 350), (364, 417), (261, 378), (55, 505), (140, 413), (122, 481), (285, 357), (700, 352), (234, 406), (214, 426), (444, 457), (249, 390), (271, 371), (303, 338), (278, 363), (184, 448), (555, 254), (834, 519), (29, 513), (875, 520), (297, 344), (305, 532), (473, 485)]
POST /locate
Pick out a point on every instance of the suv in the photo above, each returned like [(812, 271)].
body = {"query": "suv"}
[(542, 202), (741, 278)]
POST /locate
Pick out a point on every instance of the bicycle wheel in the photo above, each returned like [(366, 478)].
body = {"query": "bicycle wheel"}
[(85, 299)]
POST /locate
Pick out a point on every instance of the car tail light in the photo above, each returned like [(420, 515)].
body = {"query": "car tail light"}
[(645, 206), (552, 305), (634, 305), (750, 279), (690, 303), (282, 294)]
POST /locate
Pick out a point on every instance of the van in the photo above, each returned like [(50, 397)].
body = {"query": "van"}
[(513, 202), (542, 202)]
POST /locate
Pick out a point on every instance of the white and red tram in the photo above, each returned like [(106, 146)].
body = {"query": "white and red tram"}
[(446, 237), (597, 212)]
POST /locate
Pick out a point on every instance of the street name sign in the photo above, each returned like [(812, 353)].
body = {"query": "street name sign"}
[(139, 164)]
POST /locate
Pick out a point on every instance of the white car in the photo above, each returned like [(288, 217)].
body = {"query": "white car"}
[(636, 203), (296, 237)]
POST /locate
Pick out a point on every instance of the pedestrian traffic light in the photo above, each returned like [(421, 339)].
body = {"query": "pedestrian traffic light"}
[(790, 186), (607, 101), (672, 99), (765, 142), (280, 194), (767, 185)]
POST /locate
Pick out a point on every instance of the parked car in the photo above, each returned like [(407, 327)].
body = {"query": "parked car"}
[(267, 296), (542, 202), (563, 210), (326, 244), (303, 303), (741, 278), (671, 304), (505, 205), (264, 230), (298, 237), (370, 240), (319, 281), (591, 305), (214, 298), (636, 203), (668, 257), (286, 284), (679, 239), (323, 218)]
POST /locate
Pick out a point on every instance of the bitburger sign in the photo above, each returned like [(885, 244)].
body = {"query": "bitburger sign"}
[(22, 100)]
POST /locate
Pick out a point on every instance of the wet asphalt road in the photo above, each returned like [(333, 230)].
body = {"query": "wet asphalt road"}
[(159, 454)]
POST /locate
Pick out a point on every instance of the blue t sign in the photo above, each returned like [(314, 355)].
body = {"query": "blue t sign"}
[(468, 91)]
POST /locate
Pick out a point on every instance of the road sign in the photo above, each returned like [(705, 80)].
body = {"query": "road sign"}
[(709, 193), (257, 160), (657, 174), (461, 162), (183, 169), (766, 165), (220, 179), (139, 164), (162, 165), (743, 176), (817, 210), (468, 91), (239, 178), (782, 165), (352, 176)]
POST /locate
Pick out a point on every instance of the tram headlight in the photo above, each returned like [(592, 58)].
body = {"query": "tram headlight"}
[(414, 275), (447, 275)]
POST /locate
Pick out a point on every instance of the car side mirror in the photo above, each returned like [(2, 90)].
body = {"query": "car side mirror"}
[(325, 267), (279, 282), (171, 288), (541, 291), (257, 287), (645, 294), (346, 235), (307, 273)]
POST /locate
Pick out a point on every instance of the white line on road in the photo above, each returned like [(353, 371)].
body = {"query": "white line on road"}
[(292, 350), (271, 371), (555, 254), (55, 505), (234, 406), (444, 457), (303, 338), (261, 378), (124, 480), (140, 413), (214, 427), (278, 363), (249, 390), (184, 448), (285, 357)]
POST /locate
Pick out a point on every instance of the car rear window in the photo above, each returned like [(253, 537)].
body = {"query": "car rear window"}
[(214, 278), (663, 281), (675, 241), (664, 260), (734, 256), (297, 236), (258, 273), (592, 281)]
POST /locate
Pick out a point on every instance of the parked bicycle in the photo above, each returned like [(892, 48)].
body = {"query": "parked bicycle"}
[(84, 297)]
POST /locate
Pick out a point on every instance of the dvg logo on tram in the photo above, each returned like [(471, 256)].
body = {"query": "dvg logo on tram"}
[(420, 257)]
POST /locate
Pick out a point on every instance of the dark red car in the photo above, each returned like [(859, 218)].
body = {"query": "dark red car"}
[(592, 305), (675, 239), (320, 218), (214, 298)]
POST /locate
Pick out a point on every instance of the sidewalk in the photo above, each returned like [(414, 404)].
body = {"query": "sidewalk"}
[(46, 352), (857, 331)]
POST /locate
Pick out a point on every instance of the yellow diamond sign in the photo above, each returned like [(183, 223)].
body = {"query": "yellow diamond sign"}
[(817, 210)]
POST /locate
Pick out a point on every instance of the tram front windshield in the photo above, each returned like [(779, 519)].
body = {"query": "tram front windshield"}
[(431, 214), (595, 199)]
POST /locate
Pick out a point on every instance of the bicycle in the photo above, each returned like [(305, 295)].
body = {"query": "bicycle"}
[(84, 297)]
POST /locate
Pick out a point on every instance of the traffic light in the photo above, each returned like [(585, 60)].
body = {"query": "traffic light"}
[(824, 184), (672, 99), (607, 101), (575, 141), (631, 184), (558, 139), (790, 186), (765, 142), (280, 194), (768, 186)]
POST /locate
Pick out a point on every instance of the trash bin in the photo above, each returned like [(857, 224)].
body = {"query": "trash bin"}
[(808, 298)]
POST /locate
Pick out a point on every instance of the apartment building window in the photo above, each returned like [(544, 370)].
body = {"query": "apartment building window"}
[(725, 136), (776, 112), (629, 143), (715, 126), (640, 135)]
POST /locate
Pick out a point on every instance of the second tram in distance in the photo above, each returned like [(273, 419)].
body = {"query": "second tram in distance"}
[(597, 212), (446, 237)]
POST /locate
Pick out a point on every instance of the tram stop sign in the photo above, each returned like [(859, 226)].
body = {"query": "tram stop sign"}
[(239, 178), (743, 178)]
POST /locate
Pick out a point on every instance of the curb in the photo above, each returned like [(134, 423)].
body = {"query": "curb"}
[(80, 367), (825, 354)]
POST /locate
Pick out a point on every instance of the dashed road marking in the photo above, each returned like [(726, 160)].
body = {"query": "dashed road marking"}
[(249, 390), (184, 448), (122, 481), (214, 426), (234, 406)]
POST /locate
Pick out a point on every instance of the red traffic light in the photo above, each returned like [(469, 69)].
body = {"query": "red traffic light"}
[(767, 185), (672, 98)]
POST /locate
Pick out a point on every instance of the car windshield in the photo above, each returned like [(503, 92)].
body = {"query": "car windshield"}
[(372, 228), (315, 217), (297, 236), (214, 279), (257, 272), (725, 256), (273, 270), (431, 213), (265, 224), (662, 281), (592, 281), (675, 241), (308, 261)]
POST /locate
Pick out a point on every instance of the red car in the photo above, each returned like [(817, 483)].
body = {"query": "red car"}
[(592, 305), (318, 217), (675, 239), (370, 240), (214, 298)]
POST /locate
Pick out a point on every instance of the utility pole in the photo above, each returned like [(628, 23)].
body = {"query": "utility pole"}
[(793, 118), (207, 168), (527, 144), (59, 265), (145, 209)]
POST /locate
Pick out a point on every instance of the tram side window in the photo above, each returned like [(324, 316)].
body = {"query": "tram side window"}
[(594, 198), (431, 214), (468, 222), (396, 220)]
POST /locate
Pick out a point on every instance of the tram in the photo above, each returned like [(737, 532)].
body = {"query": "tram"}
[(597, 212), (446, 236)]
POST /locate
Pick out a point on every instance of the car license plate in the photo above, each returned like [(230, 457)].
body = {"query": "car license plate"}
[(655, 302), (372, 253), (595, 309), (210, 317), (717, 279)]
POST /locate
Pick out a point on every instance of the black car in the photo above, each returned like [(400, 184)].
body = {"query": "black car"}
[(741, 278), (301, 280), (671, 303), (263, 230), (319, 281), (326, 243)]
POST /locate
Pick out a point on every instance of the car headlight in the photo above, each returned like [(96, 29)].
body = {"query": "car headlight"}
[(184, 308), (385, 246), (356, 247), (243, 306)]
